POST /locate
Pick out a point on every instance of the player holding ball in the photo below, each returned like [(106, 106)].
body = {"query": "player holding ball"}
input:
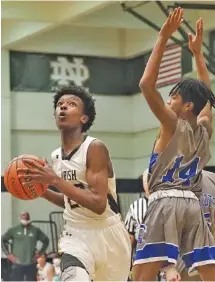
[(83, 173)]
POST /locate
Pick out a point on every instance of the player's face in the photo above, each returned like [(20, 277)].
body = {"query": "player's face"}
[(179, 107), (69, 113), (176, 104)]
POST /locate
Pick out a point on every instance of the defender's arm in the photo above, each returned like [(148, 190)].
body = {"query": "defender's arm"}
[(195, 46), (147, 83)]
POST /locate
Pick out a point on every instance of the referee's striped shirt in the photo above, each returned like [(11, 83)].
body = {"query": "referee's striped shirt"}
[(135, 216)]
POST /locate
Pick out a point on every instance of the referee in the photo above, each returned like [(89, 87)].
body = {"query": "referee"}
[(136, 214)]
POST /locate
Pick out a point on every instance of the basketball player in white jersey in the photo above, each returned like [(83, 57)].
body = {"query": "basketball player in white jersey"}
[(94, 244)]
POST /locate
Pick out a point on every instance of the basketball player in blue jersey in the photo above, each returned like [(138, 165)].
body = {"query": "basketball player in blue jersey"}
[(94, 244), (207, 203), (174, 221)]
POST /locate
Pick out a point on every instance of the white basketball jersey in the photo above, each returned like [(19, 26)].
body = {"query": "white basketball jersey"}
[(74, 170)]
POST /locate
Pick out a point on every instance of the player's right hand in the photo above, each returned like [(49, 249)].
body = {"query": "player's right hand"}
[(172, 24), (11, 258), (195, 42)]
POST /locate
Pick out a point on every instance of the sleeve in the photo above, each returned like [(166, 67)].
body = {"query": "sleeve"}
[(130, 222), (5, 240), (45, 241)]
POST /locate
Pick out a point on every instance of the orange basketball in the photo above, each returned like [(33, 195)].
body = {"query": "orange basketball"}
[(14, 184)]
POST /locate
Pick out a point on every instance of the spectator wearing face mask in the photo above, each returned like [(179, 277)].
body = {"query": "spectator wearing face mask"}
[(23, 239), (56, 264)]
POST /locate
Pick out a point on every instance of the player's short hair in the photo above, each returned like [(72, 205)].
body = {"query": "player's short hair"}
[(85, 96), (195, 91)]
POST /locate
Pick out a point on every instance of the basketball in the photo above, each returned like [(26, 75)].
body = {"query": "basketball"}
[(14, 184)]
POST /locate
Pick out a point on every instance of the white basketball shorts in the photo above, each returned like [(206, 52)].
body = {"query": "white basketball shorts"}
[(103, 246)]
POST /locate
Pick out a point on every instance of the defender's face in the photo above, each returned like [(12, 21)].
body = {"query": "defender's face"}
[(175, 103), (69, 112), (182, 109)]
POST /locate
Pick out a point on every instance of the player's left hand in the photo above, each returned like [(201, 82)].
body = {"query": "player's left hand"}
[(36, 173)]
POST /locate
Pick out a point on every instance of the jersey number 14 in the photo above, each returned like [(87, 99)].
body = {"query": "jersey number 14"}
[(186, 173)]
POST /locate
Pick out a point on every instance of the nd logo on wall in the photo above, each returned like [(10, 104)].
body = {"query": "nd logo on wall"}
[(64, 72), (38, 72)]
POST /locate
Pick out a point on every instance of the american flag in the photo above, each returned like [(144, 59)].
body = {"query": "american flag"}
[(170, 71)]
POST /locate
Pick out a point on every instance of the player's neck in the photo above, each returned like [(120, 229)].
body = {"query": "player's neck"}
[(193, 122), (70, 140), (191, 118)]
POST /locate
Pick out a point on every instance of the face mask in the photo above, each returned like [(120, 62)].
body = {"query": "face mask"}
[(25, 222)]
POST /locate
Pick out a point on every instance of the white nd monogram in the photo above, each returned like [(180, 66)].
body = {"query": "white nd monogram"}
[(65, 71)]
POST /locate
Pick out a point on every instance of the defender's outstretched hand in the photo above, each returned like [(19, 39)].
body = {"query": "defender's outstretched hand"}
[(195, 42), (172, 24)]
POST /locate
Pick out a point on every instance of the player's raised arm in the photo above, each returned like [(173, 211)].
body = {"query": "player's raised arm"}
[(195, 46), (148, 81)]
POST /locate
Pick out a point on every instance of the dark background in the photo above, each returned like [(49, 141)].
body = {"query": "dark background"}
[(30, 72)]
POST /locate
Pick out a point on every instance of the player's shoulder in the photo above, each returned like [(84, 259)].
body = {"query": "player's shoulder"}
[(203, 125), (206, 125), (56, 153), (97, 152), (97, 145)]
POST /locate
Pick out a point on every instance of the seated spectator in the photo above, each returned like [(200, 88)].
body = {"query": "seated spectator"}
[(46, 271), (56, 264)]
